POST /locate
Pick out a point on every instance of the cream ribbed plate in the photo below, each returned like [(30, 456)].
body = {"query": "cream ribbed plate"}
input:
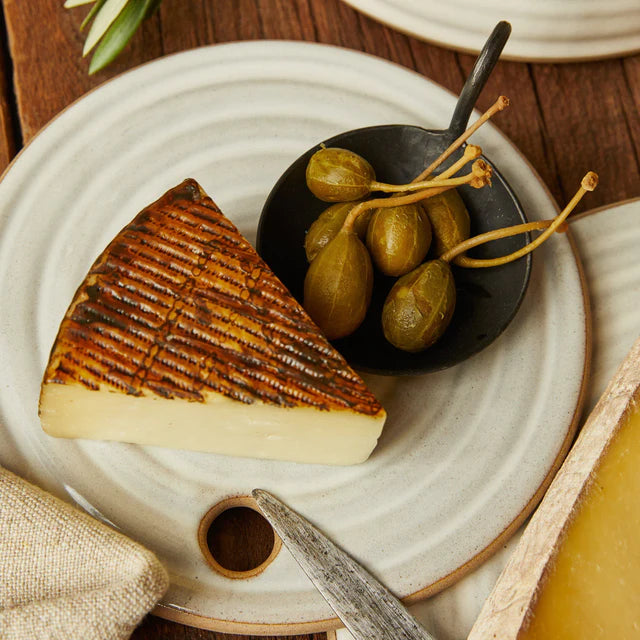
[(464, 452), (543, 30), (608, 239)]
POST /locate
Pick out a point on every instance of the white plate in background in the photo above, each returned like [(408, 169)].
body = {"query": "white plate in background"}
[(543, 30)]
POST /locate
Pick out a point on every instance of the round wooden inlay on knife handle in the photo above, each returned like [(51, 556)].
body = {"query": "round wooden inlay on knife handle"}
[(236, 540)]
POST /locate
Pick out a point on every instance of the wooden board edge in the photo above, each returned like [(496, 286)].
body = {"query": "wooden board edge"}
[(508, 605)]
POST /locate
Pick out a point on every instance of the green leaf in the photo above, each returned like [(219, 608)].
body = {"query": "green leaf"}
[(107, 15), (69, 4), (120, 32), (96, 7)]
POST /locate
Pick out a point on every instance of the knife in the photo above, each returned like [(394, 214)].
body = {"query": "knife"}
[(365, 606)]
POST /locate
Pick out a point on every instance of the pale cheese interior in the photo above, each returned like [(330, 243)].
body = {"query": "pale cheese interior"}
[(218, 425), (593, 588)]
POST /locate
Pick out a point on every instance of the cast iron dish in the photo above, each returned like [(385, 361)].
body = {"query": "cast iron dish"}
[(487, 299)]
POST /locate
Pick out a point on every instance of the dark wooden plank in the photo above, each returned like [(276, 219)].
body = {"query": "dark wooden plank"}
[(522, 122), (584, 110), (631, 71), (8, 128), (46, 78), (49, 72), (153, 627)]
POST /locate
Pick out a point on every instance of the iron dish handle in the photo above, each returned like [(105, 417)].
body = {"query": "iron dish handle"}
[(478, 77)]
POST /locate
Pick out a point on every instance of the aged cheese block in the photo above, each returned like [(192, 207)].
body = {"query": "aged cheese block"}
[(575, 573), (180, 336)]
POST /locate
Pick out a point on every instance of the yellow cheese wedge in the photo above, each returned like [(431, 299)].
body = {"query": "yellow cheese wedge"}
[(592, 589), (180, 336), (575, 573)]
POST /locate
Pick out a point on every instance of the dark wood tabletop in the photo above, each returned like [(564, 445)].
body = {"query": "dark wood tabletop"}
[(565, 118)]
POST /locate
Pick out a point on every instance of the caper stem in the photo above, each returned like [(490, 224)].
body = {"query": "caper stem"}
[(501, 103), (417, 186), (479, 176), (506, 232), (376, 203), (589, 183), (471, 152)]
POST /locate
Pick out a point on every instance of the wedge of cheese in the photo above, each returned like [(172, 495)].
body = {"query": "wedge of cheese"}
[(180, 336), (575, 573)]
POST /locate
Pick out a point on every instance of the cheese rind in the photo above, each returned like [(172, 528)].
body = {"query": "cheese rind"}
[(179, 307)]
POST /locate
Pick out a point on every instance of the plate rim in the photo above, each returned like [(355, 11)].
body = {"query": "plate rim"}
[(175, 613), (604, 207)]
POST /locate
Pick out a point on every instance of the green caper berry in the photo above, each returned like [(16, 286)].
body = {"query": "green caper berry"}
[(419, 307), (398, 238), (339, 175)]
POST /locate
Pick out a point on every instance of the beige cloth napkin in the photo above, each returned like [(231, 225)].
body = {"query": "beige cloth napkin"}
[(65, 575)]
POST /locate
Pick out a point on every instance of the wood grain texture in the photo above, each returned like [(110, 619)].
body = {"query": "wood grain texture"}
[(565, 118), (152, 628), (46, 46), (8, 125)]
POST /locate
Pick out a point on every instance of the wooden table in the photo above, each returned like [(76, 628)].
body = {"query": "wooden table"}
[(565, 118)]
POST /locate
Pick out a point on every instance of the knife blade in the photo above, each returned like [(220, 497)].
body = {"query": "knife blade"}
[(367, 608)]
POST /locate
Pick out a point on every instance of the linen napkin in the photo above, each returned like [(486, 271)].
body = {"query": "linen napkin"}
[(65, 575)]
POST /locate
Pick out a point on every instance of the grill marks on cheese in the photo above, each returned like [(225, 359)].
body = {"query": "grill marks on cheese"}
[(179, 304)]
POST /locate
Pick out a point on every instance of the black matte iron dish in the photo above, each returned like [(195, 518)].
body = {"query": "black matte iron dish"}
[(487, 298)]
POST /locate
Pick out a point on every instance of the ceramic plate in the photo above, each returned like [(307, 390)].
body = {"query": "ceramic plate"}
[(465, 452), (544, 30), (607, 240)]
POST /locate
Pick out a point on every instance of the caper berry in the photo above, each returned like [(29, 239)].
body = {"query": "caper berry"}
[(398, 238), (326, 226), (339, 175), (419, 307), (338, 285), (449, 220)]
